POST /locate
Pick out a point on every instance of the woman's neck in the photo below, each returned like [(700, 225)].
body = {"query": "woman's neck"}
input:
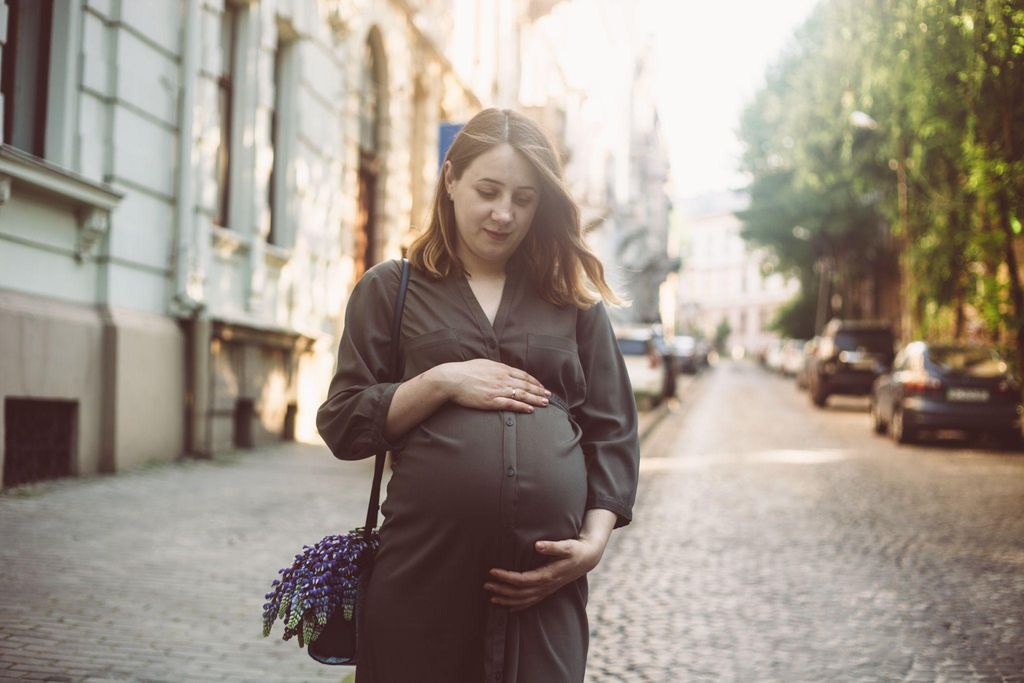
[(480, 269)]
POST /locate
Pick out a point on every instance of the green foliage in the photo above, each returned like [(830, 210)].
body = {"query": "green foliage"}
[(890, 130), (796, 318), (722, 333)]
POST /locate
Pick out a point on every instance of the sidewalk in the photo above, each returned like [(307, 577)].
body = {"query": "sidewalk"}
[(158, 574)]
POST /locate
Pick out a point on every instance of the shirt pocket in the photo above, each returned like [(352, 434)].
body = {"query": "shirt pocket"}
[(431, 348), (555, 361)]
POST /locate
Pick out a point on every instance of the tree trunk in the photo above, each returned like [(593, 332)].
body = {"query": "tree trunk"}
[(1016, 290)]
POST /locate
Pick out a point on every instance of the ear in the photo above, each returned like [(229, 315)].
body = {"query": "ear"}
[(449, 177)]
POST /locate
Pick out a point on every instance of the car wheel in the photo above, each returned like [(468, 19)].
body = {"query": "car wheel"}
[(901, 433), (818, 396), (1009, 440), (876, 418)]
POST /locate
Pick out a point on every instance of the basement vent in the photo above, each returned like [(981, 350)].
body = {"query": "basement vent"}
[(39, 439)]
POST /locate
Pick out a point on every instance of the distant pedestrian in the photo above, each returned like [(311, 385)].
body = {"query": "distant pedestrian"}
[(513, 430)]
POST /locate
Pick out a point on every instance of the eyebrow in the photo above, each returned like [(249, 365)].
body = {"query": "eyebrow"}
[(498, 182)]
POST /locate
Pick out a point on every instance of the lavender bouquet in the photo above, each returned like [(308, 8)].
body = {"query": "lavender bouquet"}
[(322, 579)]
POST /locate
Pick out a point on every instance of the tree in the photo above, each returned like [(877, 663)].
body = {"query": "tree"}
[(889, 133)]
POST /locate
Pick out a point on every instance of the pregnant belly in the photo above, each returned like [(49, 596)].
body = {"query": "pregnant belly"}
[(471, 469)]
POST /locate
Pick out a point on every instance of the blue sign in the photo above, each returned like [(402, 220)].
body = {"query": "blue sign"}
[(445, 140)]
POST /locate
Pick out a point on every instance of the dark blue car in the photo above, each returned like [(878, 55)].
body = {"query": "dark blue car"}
[(947, 386)]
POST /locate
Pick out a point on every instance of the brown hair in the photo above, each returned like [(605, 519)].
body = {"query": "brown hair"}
[(563, 266)]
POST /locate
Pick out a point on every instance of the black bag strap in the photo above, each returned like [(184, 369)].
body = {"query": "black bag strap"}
[(378, 463)]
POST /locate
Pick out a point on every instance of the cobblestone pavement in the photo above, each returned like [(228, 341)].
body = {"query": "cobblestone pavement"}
[(158, 574), (771, 542), (776, 542)]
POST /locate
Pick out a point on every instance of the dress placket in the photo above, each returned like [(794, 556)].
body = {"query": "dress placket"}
[(498, 616)]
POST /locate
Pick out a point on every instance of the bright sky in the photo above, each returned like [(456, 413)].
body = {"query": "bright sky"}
[(712, 58)]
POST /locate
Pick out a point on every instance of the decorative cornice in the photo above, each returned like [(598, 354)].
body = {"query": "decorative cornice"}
[(50, 178), (93, 224), (92, 201)]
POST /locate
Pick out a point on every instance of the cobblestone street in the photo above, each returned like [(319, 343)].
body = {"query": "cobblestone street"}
[(772, 542), (776, 542)]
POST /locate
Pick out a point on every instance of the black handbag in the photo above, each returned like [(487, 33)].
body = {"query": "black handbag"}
[(320, 597)]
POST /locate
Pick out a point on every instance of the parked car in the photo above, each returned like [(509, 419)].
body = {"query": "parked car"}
[(644, 351), (849, 356), (705, 354), (773, 355), (687, 354), (947, 386), (806, 356), (792, 356)]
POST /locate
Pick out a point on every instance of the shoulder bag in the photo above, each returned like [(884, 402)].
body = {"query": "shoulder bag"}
[(320, 597)]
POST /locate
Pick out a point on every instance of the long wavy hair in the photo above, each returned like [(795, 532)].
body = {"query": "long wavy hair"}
[(563, 267)]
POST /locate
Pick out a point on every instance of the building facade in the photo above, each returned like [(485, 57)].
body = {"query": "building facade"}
[(189, 189), (723, 279), (589, 75)]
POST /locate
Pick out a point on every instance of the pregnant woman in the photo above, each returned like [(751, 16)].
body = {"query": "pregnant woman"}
[(512, 429)]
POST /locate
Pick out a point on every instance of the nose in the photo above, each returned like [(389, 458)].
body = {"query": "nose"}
[(502, 212)]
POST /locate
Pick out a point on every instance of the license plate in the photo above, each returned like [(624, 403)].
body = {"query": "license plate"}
[(967, 395)]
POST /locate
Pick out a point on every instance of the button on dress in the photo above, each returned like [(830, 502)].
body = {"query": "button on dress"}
[(475, 489)]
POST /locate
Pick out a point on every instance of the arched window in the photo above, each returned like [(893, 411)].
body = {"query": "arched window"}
[(373, 90)]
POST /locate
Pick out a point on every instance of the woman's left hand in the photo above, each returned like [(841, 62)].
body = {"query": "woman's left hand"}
[(571, 559)]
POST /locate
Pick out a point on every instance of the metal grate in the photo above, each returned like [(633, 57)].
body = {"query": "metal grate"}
[(39, 439)]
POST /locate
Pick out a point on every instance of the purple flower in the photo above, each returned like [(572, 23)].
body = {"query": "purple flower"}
[(322, 579)]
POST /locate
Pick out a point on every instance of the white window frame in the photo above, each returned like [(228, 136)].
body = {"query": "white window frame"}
[(62, 81)]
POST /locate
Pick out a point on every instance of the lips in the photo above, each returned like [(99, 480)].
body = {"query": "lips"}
[(498, 236)]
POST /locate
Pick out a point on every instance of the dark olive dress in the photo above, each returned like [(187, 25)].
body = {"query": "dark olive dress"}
[(474, 489)]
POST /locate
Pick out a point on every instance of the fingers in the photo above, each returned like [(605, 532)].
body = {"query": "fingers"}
[(503, 403), (519, 590), (530, 383), (527, 393), (556, 548), (523, 380)]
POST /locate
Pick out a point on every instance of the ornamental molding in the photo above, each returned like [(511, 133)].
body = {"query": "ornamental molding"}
[(21, 168), (343, 15), (93, 224), (92, 202)]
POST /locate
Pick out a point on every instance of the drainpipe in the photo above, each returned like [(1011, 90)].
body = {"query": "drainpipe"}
[(187, 302)]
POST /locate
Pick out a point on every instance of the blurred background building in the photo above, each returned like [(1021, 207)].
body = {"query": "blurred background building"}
[(723, 279), (189, 190)]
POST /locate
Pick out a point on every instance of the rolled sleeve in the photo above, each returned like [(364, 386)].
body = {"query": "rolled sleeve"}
[(353, 418), (607, 418)]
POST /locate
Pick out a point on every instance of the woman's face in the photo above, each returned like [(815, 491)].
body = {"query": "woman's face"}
[(495, 200)]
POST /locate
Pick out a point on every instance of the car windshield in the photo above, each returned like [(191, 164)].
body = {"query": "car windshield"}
[(876, 341), (684, 343), (973, 361), (633, 347)]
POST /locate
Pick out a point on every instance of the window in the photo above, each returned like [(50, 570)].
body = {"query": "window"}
[(280, 137), (225, 97), (24, 80), (368, 243)]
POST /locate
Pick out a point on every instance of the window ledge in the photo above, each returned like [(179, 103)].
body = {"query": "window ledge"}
[(227, 241), (277, 256), (93, 201)]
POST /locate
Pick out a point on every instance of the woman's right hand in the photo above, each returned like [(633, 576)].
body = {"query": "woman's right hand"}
[(488, 385)]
